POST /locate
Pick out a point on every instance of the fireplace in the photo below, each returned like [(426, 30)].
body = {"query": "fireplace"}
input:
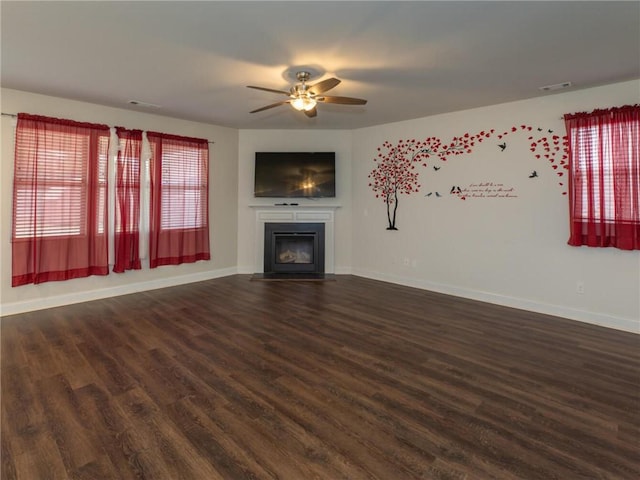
[(295, 249), (291, 215)]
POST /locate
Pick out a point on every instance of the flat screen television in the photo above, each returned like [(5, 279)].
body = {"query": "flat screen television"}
[(295, 174)]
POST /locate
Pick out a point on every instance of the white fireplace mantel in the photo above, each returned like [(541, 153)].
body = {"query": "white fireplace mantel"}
[(305, 213)]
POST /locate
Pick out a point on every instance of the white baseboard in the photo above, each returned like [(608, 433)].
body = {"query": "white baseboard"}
[(618, 323), (247, 270), (68, 299)]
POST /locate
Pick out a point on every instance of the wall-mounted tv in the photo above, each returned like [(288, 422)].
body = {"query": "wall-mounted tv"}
[(295, 174)]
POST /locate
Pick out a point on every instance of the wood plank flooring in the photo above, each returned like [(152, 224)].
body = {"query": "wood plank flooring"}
[(349, 379)]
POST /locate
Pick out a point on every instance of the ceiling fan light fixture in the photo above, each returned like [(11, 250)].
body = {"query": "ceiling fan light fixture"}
[(303, 103)]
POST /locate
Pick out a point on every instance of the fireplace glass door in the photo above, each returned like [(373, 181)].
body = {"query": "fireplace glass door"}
[(294, 248)]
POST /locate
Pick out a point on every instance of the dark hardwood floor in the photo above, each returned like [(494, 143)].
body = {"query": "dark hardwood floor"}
[(348, 379)]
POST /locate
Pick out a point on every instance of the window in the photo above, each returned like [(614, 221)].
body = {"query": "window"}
[(184, 187), (59, 200), (604, 159), (179, 207)]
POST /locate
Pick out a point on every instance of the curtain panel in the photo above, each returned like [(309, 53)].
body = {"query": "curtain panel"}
[(179, 206), (604, 181), (127, 201), (59, 228)]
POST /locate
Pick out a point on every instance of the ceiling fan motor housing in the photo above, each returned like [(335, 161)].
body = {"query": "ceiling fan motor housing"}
[(303, 76)]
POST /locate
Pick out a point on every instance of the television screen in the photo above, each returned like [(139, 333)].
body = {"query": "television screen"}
[(295, 174)]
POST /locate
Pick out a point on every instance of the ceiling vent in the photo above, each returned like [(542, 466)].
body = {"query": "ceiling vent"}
[(556, 86), (143, 104)]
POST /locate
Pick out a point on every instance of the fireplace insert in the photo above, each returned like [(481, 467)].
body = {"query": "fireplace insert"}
[(294, 248)]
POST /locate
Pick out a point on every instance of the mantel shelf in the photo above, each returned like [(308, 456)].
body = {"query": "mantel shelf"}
[(301, 206)]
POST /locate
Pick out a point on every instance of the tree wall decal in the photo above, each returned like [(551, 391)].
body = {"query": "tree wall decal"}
[(395, 173)]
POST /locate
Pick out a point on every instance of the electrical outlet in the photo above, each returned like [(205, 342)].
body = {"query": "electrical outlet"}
[(580, 287)]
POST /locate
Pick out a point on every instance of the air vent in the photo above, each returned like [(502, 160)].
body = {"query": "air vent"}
[(557, 86), (143, 104)]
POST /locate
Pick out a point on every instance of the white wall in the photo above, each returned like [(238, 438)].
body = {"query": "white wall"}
[(223, 208), (510, 251), (252, 141)]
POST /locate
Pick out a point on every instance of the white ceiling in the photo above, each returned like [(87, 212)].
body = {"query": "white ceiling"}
[(409, 59)]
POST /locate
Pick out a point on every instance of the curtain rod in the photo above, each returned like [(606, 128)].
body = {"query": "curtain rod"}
[(14, 115)]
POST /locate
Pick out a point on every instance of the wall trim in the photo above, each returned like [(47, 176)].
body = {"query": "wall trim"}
[(593, 318), (69, 299)]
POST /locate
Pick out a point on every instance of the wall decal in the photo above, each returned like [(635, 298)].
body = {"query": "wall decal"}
[(395, 172), (485, 190)]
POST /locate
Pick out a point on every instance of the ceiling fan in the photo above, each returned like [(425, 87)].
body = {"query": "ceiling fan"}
[(305, 97)]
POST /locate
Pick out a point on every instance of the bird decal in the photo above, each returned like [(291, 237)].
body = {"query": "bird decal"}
[(534, 174), (502, 146), (436, 168)]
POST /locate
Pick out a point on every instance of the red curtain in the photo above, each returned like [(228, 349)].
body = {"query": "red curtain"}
[(59, 226), (604, 181), (127, 211), (179, 207)]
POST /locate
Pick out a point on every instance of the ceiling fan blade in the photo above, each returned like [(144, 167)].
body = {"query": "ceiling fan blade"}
[(270, 106), (342, 100), (311, 113), (268, 89), (323, 86)]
